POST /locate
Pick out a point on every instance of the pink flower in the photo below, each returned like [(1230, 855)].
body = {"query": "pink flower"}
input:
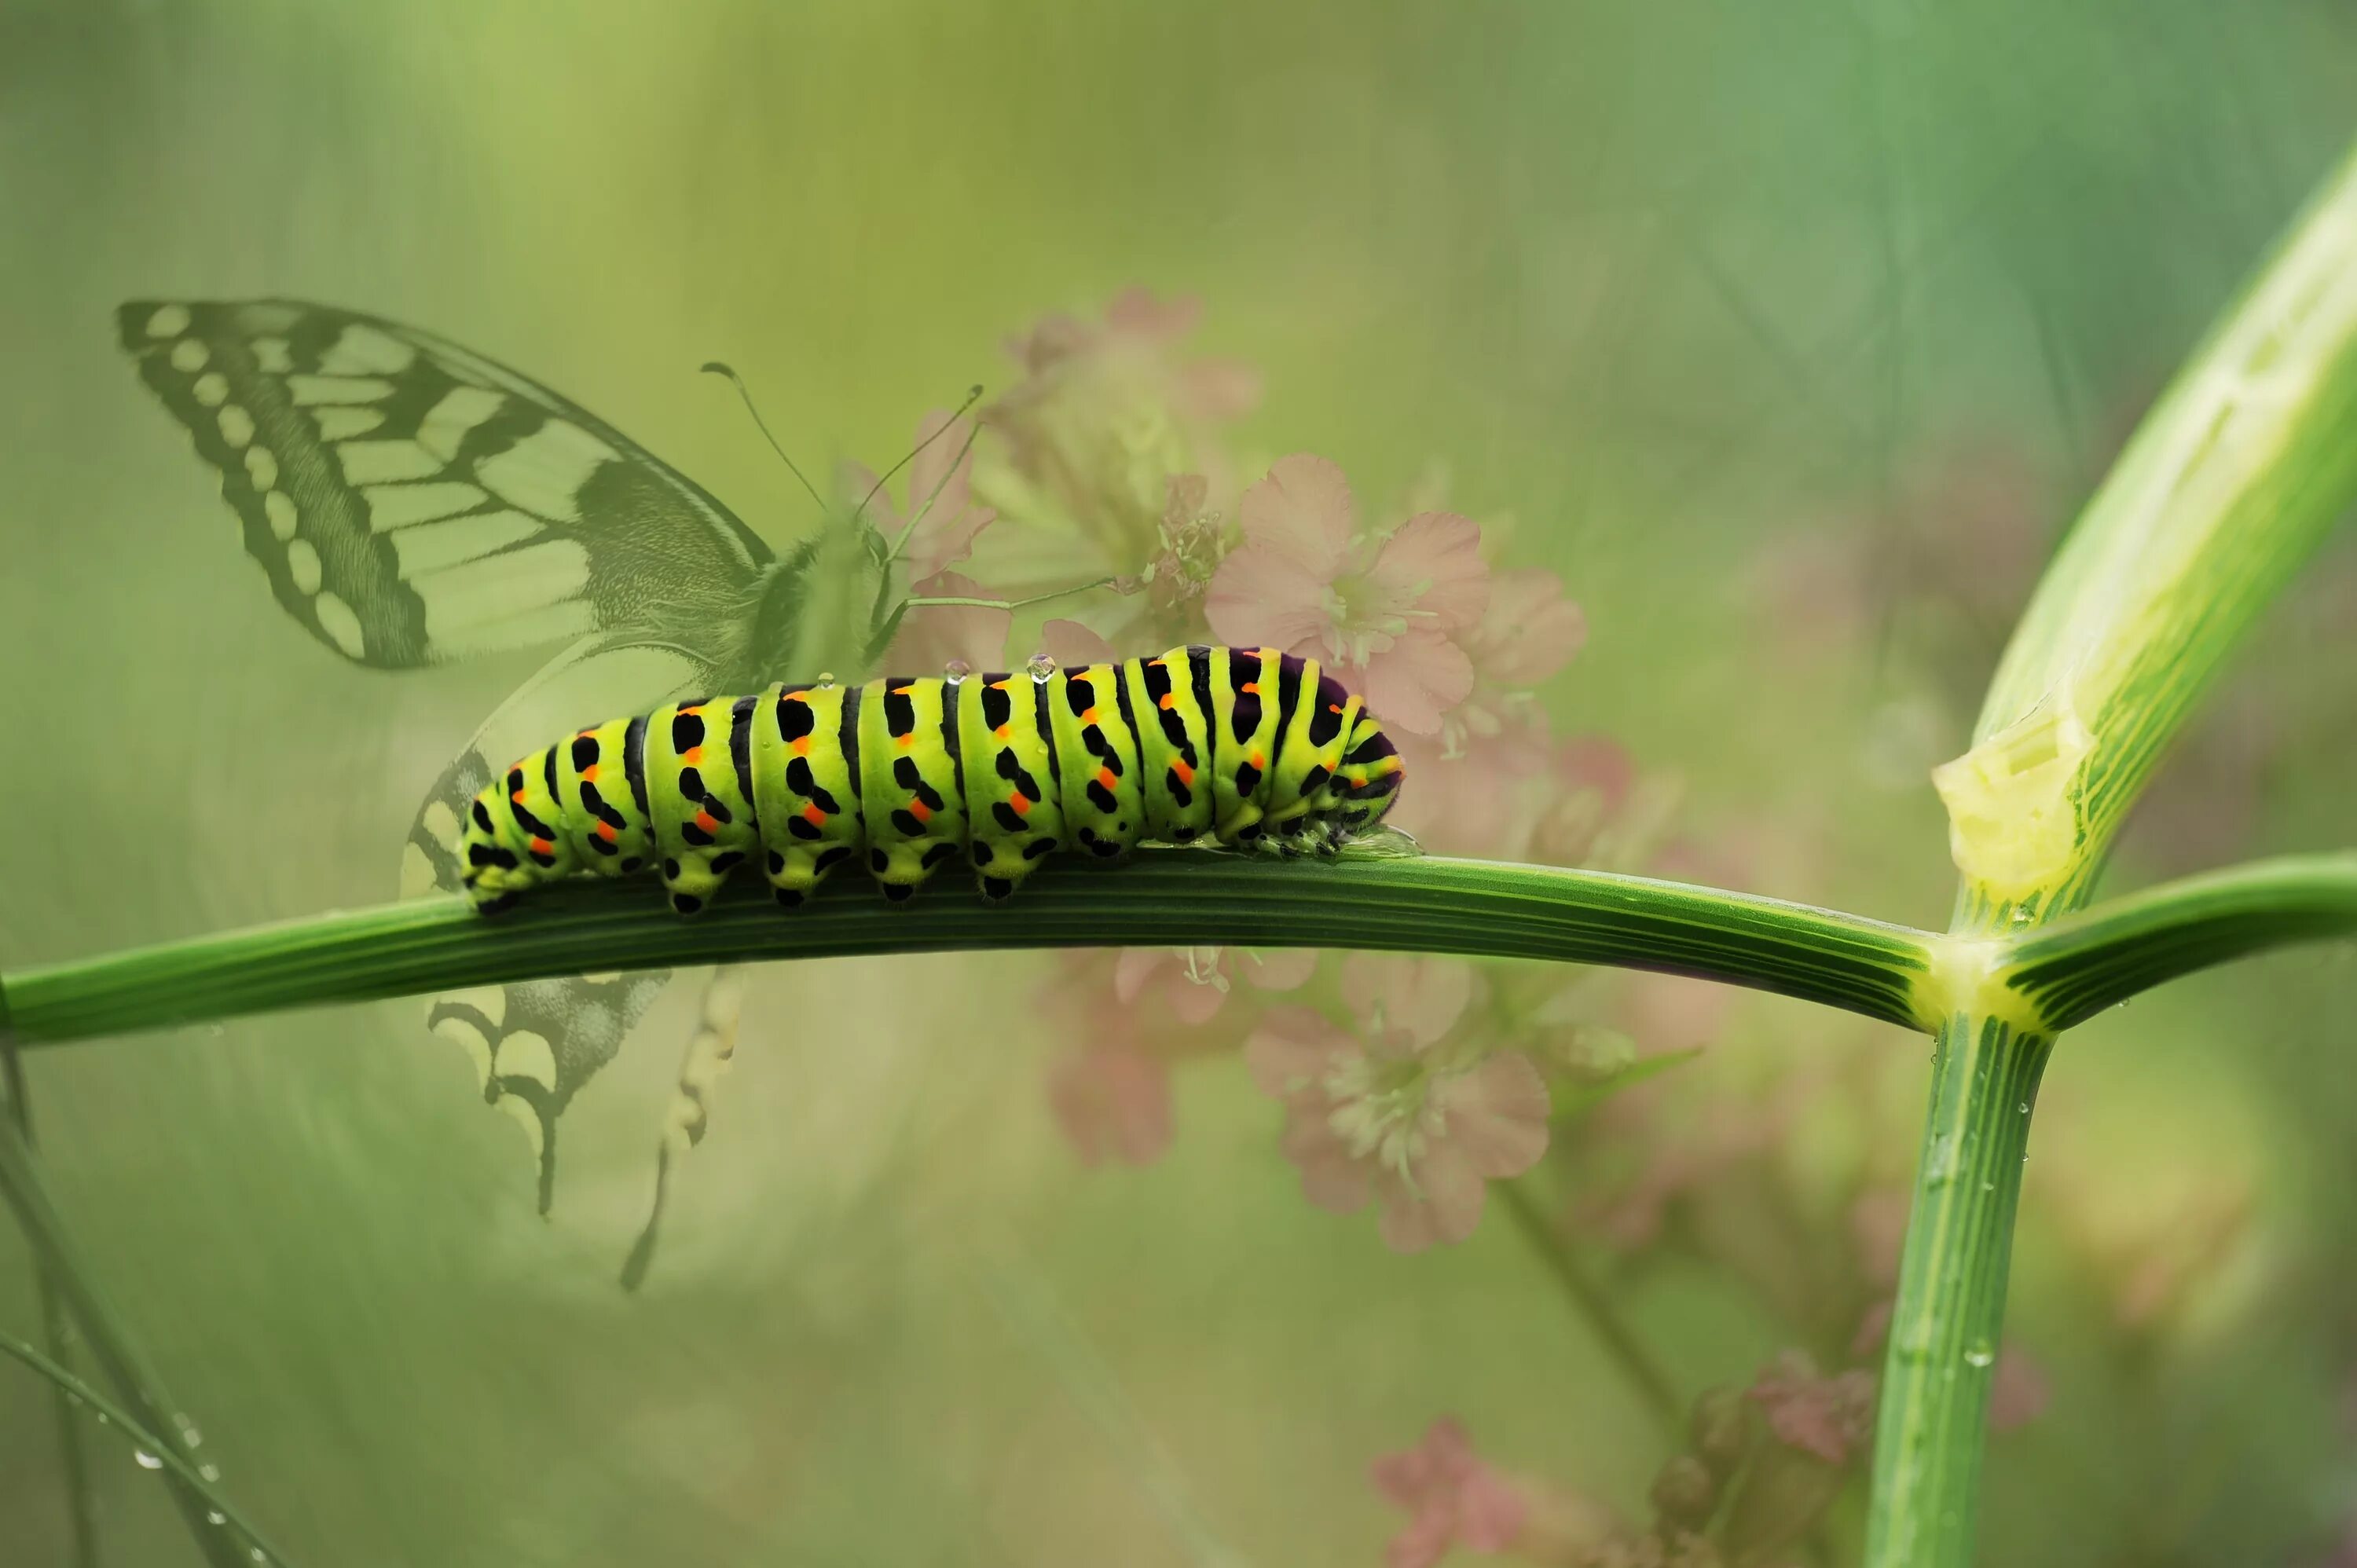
[(1451, 1497), (1525, 638), (1112, 1098), (1072, 645), (1107, 416), (1388, 610), (1828, 1417), (1189, 984), (1384, 1111)]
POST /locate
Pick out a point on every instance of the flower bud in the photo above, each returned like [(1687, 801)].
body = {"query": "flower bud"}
[(1685, 1493)]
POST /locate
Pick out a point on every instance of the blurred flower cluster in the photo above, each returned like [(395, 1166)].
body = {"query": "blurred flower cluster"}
[(1756, 1470), (1406, 1084)]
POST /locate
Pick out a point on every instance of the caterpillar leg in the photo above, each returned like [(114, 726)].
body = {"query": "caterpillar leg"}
[(796, 873), (902, 867), (1000, 865)]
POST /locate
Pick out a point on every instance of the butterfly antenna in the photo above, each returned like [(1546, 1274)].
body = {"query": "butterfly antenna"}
[(719, 368), (973, 397)]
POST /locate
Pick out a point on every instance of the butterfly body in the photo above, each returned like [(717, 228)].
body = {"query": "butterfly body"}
[(1240, 747)]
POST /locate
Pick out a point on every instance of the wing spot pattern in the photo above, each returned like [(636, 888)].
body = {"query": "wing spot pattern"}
[(189, 356), (364, 350), (279, 508), (543, 472), (337, 620), (343, 421), (169, 321), (261, 466), (435, 546), (460, 410), (270, 354), (303, 566), (386, 462), (236, 425), (397, 506), (210, 389)]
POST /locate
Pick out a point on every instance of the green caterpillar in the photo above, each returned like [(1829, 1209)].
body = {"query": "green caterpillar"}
[(1247, 746)]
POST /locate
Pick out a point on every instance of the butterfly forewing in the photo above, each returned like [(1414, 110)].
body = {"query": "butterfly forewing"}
[(415, 502)]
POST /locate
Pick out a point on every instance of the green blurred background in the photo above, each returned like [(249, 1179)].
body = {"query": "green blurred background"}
[(1788, 336)]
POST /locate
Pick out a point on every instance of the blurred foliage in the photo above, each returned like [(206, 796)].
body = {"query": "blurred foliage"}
[(1786, 337)]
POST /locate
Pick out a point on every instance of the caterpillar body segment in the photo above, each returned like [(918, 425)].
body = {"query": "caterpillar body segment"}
[(1243, 747)]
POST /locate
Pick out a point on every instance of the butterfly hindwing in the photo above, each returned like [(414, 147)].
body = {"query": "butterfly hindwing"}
[(413, 502), (536, 1043)]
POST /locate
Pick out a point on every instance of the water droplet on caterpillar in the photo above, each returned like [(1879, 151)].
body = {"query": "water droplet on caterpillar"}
[(1043, 668), (956, 670)]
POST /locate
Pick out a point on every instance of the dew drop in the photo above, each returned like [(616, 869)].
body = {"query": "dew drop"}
[(214, 1516), (956, 670), (1041, 667), (2025, 1107), (1940, 1162), (147, 1461), (1979, 1355), (825, 682), (210, 1472)]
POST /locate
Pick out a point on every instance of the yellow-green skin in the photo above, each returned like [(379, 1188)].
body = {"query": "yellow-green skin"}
[(1243, 747)]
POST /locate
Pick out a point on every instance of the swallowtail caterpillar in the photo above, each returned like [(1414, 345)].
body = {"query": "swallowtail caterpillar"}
[(1248, 747)]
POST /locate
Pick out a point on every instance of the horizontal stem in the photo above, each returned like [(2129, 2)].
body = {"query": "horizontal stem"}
[(1174, 898), (2074, 969)]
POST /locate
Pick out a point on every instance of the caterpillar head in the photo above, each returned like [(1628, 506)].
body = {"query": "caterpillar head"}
[(1368, 781)]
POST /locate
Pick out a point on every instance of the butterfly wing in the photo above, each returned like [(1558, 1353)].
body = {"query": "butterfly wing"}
[(415, 502), (536, 1043)]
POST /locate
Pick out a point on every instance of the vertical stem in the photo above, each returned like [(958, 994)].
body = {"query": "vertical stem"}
[(56, 1331), (45, 1231), (1950, 1316)]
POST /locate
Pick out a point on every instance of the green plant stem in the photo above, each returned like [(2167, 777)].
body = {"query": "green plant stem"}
[(56, 1331), (2074, 969), (1176, 897), (2231, 481), (1950, 1314), (1595, 1308), (71, 1390), (44, 1230)]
